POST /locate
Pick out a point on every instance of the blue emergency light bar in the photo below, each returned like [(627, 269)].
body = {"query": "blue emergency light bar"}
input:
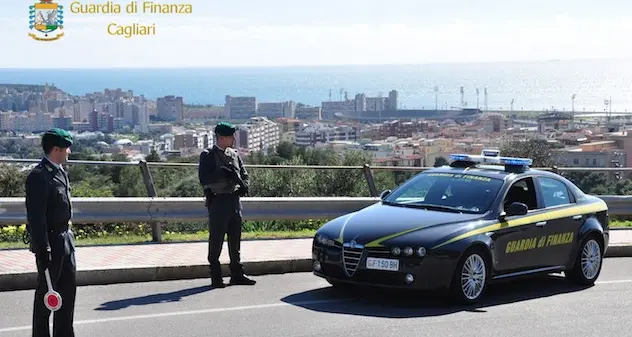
[(490, 153), (492, 157)]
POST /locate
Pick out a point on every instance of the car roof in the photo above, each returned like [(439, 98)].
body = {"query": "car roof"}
[(492, 171)]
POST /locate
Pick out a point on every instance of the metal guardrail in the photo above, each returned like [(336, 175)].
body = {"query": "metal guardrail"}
[(144, 209), (618, 205), (90, 210)]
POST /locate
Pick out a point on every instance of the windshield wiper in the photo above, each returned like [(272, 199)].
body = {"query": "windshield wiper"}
[(435, 207)]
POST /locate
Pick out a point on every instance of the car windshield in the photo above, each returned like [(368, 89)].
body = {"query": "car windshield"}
[(453, 192)]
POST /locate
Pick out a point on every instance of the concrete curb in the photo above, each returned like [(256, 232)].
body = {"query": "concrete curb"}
[(619, 251), (27, 281)]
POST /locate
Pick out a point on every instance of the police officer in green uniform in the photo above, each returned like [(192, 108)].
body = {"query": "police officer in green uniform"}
[(225, 180), (49, 212)]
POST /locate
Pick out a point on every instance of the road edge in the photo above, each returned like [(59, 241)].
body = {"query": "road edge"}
[(621, 250), (91, 277)]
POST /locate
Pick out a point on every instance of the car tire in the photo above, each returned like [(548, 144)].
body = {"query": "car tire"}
[(585, 273), (475, 264)]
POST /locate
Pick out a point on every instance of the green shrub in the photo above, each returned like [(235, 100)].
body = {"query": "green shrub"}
[(12, 233)]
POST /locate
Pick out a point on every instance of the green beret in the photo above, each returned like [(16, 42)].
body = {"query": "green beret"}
[(225, 129), (57, 137)]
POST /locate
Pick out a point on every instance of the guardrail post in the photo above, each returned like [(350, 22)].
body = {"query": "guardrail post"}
[(147, 179), (156, 229), (369, 180)]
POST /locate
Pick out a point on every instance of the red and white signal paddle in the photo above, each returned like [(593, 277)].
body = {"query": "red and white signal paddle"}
[(52, 299)]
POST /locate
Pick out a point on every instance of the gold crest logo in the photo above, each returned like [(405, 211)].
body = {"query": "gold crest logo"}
[(46, 21)]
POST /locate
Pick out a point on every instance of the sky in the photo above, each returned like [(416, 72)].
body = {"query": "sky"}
[(226, 33)]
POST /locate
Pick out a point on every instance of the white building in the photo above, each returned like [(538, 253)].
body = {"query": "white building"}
[(258, 134), (320, 133)]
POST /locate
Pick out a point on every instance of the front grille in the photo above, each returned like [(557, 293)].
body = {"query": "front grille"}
[(378, 252), (351, 259)]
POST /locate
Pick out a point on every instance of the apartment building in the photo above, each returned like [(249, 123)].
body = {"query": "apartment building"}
[(400, 129), (596, 154), (277, 110), (82, 109), (25, 122), (258, 134), (395, 152), (192, 140), (246, 107), (329, 109), (170, 108), (319, 133), (495, 122), (240, 107), (308, 113)]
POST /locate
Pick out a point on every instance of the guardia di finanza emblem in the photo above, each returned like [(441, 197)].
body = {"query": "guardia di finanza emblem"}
[(46, 21)]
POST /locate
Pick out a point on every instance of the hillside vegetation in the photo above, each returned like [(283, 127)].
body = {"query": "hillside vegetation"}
[(110, 181)]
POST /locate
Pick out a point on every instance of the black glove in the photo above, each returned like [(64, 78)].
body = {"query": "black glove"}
[(42, 259), (243, 191)]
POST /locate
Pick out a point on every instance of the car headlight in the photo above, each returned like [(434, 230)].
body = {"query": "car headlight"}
[(421, 251), (323, 240), (408, 251), (396, 250)]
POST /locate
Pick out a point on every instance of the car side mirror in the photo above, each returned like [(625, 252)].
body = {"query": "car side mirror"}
[(384, 194), (516, 208)]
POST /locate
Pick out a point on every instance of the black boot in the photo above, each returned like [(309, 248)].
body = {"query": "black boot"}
[(242, 280), (217, 282)]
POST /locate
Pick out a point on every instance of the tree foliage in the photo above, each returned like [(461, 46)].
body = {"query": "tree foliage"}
[(544, 154), (127, 181), (11, 181), (541, 151), (314, 182), (440, 161)]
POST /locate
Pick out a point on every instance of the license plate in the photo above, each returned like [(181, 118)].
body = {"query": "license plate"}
[(382, 264)]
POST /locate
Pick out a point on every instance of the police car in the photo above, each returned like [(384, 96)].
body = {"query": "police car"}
[(462, 226)]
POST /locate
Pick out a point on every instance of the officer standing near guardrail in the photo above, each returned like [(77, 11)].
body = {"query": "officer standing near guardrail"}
[(225, 180), (49, 212)]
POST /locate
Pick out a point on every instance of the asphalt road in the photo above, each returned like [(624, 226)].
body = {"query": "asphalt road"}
[(303, 305)]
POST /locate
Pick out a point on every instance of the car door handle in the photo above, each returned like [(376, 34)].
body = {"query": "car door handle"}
[(540, 224), (577, 217)]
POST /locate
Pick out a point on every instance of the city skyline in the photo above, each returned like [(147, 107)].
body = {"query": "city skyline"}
[(224, 34), (476, 98)]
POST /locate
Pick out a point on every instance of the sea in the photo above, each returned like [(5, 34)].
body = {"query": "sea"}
[(542, 85)]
